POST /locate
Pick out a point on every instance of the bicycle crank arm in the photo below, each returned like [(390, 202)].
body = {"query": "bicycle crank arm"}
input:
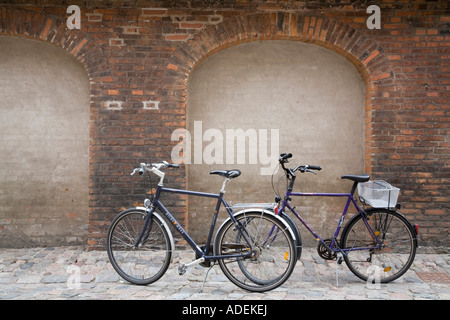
[(183, 267)]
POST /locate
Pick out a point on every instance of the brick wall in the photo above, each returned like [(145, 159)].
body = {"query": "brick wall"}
[(139, 56)]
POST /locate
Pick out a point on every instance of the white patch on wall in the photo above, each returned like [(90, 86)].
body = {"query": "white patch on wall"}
[(151, 105)]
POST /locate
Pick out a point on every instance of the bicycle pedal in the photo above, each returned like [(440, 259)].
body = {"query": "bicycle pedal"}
[(339, 260), (182, 269)]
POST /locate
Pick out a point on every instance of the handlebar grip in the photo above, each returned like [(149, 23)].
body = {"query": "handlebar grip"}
[(315, 167), (285, 156)]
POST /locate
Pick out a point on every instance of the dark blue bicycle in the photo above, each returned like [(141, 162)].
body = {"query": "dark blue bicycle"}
[(254, 247)]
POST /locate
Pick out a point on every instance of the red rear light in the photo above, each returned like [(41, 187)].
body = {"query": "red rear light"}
[(276, 210), (417, 228)]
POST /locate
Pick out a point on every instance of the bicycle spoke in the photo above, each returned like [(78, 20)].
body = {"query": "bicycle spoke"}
[(386, 261), (269, 265), (147, 262)]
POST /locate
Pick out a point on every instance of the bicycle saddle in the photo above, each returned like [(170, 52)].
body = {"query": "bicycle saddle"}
[(356, 177), (227, 173)]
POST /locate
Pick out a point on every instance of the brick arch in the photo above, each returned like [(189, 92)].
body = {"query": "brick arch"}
[(364, 53), (52, 29)]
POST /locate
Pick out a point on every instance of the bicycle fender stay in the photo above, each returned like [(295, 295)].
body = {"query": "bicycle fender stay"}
[(265, 211), (294, 227), (411, 226), (369, 212), (163, 222)]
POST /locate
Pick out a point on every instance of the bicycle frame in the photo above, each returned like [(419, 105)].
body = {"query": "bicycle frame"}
[(333, 247), (220, 200)]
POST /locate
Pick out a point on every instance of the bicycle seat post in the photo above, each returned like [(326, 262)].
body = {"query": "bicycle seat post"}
[(356, 179), (355, 184), (227, 175), (225, 180)]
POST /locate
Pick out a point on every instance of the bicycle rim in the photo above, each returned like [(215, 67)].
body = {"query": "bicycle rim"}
[(150, 260), (273, 252), (385, 263)]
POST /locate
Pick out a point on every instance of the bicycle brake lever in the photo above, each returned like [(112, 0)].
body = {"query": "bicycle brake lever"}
[(140, 170)]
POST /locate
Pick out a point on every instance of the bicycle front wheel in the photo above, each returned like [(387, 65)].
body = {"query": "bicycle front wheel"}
[(147, 262), (386, 253), (268, 244)]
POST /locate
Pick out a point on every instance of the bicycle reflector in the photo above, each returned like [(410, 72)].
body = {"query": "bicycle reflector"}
[(417, 229)]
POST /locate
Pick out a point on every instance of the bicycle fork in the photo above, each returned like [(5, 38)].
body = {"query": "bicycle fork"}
[(145, 233)]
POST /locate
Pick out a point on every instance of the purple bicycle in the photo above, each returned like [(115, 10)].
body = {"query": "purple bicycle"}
[(378, 243)]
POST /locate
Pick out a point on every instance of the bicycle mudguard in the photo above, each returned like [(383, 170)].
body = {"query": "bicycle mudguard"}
[(294, 227), (163, 222), (269, 212), (298, 238)]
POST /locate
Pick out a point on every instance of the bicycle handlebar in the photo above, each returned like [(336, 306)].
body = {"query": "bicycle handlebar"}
[(284, 157), (154, 166), (307, 168)]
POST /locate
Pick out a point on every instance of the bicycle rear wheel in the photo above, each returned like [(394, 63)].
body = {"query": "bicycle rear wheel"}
[(272, 253), (382, 263), (150, 260)]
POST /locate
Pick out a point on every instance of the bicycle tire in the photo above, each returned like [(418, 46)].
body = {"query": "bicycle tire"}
[(383, 264), (150, 260), (273, 257)]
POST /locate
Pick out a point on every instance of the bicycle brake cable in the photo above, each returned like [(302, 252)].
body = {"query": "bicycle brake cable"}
[(148, 194), (271, 180)]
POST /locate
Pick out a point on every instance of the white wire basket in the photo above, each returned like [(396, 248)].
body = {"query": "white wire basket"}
[(378, 194)]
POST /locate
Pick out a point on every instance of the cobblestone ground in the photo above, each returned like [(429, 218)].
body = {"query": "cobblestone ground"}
[(74, 273)]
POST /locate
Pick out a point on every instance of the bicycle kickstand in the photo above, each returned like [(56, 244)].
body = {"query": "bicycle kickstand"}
[(338, 262), (204, 280)]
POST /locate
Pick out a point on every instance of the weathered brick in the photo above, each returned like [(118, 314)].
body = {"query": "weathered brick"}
[(177, 36)]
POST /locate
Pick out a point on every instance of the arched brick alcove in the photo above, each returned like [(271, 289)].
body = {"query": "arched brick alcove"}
[(53, 30), (365, 54)]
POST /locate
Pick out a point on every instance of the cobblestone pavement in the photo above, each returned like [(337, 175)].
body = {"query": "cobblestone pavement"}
[(74, 273)]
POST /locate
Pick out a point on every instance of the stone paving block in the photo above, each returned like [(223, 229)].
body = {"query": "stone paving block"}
[(43, 273)]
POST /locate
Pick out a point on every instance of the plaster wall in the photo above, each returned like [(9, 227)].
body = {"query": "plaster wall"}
[(44, 145), (309, 100)]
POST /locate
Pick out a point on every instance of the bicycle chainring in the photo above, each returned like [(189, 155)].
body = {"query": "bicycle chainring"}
[(206, 263), (323, 252)]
